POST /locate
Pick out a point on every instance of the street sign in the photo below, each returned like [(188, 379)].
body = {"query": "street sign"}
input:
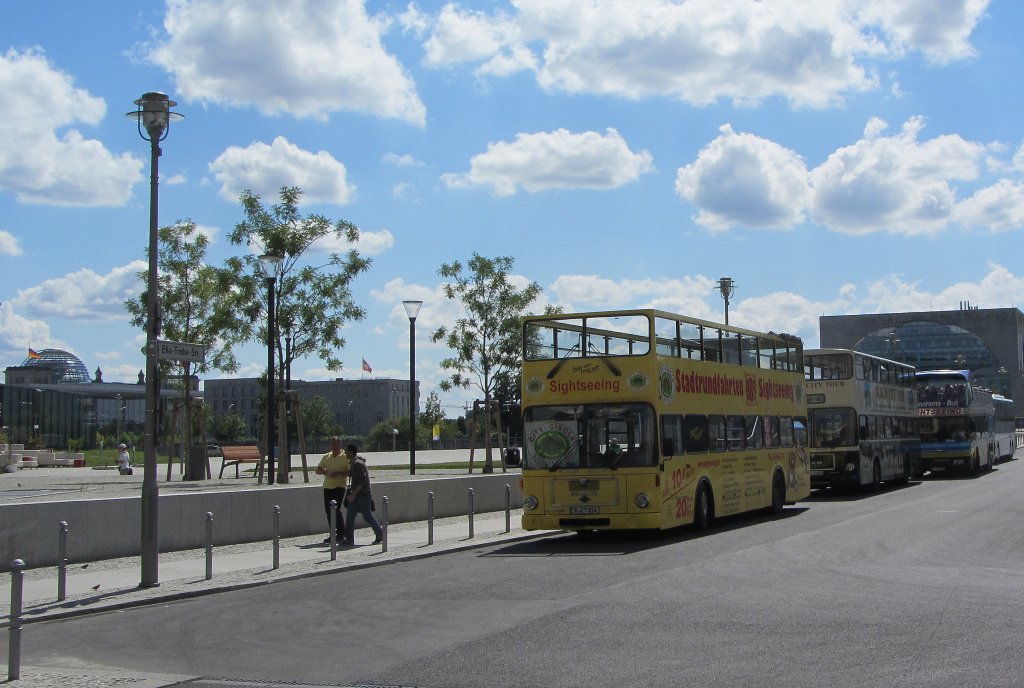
[(180, 351)]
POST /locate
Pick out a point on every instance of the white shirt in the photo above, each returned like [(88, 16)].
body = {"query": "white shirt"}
[(123, 460)]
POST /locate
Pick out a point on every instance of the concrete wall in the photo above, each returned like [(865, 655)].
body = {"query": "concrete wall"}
[(110, 528)]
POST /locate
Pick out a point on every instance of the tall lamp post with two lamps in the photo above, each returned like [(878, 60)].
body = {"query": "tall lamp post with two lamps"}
[(153, 116), (412, 309)]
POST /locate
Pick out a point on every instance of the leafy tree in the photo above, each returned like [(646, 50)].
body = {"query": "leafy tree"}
[(193, 308), (231, 427), (314, 302), (432, 414), (486, 342), (318, 419)]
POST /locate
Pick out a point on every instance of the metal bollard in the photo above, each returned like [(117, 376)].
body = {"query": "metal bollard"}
[(508, 508), (62, 567), (384, 524), (209, 545), (277, 537), (14, 630), (334, 529), (471, 513), (430, 518)]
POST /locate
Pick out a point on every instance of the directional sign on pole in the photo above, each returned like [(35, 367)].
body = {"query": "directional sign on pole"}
[(180, 351)]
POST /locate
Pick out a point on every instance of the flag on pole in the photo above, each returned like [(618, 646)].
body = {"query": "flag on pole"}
[(33, 354), (366, 366)]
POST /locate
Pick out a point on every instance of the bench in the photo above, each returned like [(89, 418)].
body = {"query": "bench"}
[(234, 456)]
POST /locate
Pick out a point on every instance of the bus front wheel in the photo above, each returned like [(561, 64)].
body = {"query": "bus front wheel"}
[(703, 511)]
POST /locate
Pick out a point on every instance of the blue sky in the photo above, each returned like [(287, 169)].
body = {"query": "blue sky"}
[(842, 156)]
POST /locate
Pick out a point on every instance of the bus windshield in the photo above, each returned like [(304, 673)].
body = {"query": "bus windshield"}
[(832, 427), (589, 436)]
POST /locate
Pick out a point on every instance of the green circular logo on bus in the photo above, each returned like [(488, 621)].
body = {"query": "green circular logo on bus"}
[(551, 445)]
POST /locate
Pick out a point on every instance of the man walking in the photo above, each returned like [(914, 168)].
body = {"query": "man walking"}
[(359, 498), (334, 466)]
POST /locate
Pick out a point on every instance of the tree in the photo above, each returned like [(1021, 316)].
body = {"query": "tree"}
[(318, 419), (487, 341), (314, 302), (193, 308), (432, 414)]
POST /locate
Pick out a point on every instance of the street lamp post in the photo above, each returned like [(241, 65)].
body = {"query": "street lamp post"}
[(153, 116), (412, 309), (726, 286), (270, 262)]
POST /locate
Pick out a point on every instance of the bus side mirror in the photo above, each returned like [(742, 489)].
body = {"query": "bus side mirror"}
[(668, 447)]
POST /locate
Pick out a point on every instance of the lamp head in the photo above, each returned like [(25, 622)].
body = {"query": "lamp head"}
[(154, 115), (726, 285), (412, 308), (269, 263)]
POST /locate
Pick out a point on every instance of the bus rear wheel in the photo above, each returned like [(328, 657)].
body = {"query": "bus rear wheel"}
[(703, 510), (778, 493)]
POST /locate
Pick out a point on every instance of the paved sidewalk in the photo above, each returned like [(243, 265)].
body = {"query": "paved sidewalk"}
[(104, 586)]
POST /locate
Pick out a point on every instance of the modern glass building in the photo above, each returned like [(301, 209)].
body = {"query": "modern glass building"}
[(987, 341)]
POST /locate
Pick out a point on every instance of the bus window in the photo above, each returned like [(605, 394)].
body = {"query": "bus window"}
[(832, 427), (748, 351), (716, 433), (735, 432), (730, 348), (752, 426), (691, 338), (800, 432), (695, 433), (766, 354), (666, 333), (786, 431), (772, 439), (672, 435)]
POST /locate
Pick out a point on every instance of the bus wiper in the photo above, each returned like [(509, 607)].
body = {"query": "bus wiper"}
[(562, 360), (607, 361)]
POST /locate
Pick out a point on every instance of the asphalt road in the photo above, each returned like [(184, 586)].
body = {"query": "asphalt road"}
[(915, 586)]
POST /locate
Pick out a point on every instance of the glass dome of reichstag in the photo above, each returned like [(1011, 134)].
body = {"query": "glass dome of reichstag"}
[(66, 367)]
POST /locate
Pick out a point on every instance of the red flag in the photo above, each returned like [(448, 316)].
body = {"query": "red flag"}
[(366, 366), (33, 354)]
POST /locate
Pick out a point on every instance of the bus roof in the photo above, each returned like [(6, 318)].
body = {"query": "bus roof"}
[(655, 313), (826, 352)]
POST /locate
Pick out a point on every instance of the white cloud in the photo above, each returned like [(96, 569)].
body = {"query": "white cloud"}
[(42, 160), (9, 245), (745, 179), (404, 160), (18, 333), (941, 30), (554, 160), (83, 295), (894, 183), (265, 169), (999, 207), (305, 58), (699, 51)]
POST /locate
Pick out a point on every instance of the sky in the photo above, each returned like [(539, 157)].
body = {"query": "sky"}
[(835, 157)]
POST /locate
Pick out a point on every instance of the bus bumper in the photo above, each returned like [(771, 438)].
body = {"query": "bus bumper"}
[(607, 521)]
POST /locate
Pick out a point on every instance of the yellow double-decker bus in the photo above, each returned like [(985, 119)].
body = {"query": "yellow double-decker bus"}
[(645, 419)]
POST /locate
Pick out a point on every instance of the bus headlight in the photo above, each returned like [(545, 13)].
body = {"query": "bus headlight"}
[(530, 503), (850, 466), (642, 501)]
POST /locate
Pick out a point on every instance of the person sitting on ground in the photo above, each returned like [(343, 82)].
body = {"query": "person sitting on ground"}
[(124, 461)]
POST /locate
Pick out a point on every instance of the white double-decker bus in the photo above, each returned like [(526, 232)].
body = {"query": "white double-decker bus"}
[(862, 416), (956, 422)]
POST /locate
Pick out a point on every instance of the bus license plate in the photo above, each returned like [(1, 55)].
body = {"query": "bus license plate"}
[(583, 510)]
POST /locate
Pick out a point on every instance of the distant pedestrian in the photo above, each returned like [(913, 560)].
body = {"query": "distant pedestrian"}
[(334, 466), (124, 460), (359, 498)]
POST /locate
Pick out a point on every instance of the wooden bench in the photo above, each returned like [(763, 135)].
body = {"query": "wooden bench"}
[(234, 456)]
